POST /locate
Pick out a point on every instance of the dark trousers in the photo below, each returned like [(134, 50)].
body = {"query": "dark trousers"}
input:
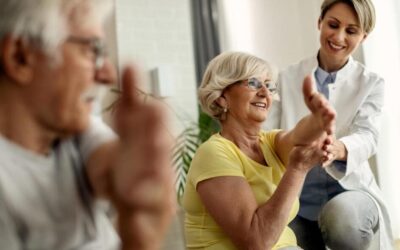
[(308, 234)]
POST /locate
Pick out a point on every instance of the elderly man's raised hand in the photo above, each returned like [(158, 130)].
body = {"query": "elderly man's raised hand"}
[(142, 179)]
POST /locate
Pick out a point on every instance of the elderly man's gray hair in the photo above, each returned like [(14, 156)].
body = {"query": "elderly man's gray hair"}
[(45, 21)]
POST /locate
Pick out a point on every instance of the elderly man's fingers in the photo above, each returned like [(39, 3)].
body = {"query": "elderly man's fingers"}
[(148, 194), (128, 108), (129, 86), (136, 122), (142, 229)]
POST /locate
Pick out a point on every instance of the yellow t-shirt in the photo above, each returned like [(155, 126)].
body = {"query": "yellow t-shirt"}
[(221, 157)]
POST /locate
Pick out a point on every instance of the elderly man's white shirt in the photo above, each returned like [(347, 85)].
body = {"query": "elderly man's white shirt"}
[(46, 202)]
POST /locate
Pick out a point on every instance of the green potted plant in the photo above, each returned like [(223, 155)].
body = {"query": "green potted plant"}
[(186, 145)]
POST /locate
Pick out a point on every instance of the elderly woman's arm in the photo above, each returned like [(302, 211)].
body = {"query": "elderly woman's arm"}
[(249, 225), (318, 125)]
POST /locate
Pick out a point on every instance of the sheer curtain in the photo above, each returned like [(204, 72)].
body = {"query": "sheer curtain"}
[(382, 55)]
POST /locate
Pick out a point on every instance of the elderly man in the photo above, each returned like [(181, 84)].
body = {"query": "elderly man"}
[(55, 160)]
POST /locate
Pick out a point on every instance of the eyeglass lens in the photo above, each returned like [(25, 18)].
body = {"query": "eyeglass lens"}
[(97, 46), (255, 84)]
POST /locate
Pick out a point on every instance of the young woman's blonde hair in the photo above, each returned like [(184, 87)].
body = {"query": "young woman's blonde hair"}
[(364, 9), (224, 70)]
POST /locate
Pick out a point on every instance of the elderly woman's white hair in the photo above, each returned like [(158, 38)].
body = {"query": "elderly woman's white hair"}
[(224, 70), (45, 22)]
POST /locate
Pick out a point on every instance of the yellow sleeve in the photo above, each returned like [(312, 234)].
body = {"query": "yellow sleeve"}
[(215, 158), (269, 137), (268, 147)]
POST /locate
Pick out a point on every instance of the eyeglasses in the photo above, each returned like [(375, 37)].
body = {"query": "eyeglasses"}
[(97, 46), (255, 84)]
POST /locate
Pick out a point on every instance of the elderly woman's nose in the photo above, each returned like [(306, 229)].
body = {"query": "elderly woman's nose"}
[(263, 91)]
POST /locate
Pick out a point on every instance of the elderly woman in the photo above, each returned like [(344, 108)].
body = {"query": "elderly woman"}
[(239, 194)]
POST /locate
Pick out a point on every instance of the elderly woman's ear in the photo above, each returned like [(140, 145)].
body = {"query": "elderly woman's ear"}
[(221, 101)]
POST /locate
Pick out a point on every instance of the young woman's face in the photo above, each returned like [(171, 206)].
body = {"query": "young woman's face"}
[(340, 36)]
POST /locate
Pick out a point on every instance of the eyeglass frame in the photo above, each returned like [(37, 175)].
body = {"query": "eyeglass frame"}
[(97, 46), (269, 85)]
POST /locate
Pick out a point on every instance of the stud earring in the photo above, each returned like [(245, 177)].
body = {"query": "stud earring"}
[(225, 110)]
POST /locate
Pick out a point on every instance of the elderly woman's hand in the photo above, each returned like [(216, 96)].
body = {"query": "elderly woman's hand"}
[(323, 113), (312, 129), (317, 125), (305, 157)]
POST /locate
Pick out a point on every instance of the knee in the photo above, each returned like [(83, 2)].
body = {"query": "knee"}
[(345, 236), (341, 228)]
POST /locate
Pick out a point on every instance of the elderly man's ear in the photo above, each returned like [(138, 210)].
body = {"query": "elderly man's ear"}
[(18, 59)]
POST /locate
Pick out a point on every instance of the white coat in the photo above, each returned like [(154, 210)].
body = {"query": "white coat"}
[(357, 95)]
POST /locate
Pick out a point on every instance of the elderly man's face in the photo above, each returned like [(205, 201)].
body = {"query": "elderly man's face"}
[(63, 87)]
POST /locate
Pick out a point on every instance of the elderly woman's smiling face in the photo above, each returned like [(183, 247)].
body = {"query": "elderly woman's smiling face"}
[(249, 100)]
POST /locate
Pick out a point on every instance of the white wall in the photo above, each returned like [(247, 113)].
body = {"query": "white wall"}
[(111, 41), (157, 33), (281, 32)]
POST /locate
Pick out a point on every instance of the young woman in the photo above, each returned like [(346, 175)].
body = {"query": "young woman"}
[(340, 204)]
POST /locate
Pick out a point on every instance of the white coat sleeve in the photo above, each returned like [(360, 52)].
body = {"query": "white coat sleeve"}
[(361, 141)]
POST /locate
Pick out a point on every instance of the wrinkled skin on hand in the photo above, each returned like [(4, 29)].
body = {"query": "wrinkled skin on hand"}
[(305, 157)]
